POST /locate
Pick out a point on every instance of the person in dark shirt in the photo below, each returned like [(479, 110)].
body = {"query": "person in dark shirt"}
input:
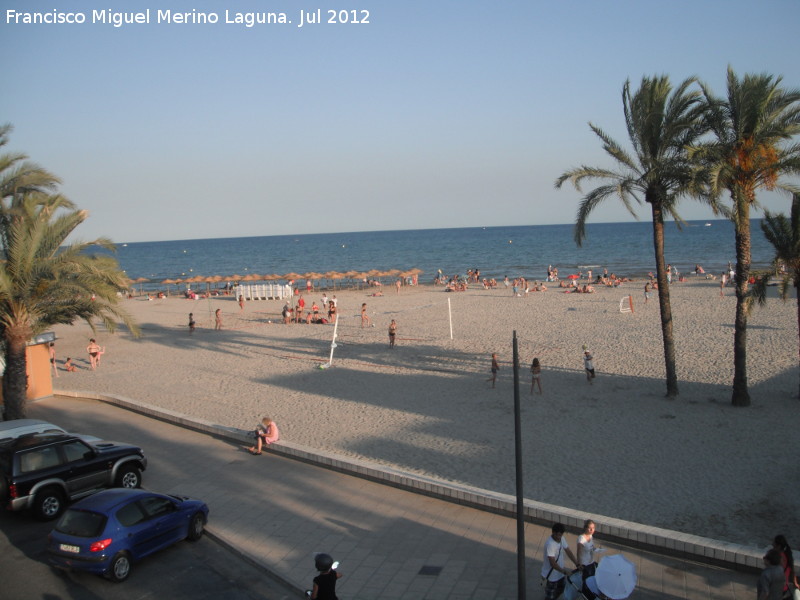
[(325, 582)]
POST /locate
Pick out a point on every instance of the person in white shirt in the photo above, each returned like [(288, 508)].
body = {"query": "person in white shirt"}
[(585, 552), (553, 569)]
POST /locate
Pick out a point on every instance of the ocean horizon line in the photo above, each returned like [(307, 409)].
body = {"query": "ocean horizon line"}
[(671, 223)]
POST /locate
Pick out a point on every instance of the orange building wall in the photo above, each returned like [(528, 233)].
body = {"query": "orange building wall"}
[(40, 377)]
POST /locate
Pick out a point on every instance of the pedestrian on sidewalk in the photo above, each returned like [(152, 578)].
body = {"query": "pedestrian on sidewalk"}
[(770, 583), (553, 569), (325, 582)]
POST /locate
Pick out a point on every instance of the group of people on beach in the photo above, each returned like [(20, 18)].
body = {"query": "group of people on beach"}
[(536, 370), (93, 349), (315, 314)]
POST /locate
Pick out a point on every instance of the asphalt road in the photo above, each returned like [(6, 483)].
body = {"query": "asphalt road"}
[(199, 570)]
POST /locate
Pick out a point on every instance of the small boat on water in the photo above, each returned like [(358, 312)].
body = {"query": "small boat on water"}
[(708, 224)]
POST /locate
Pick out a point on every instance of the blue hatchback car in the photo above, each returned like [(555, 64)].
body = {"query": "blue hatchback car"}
[(108, 531)]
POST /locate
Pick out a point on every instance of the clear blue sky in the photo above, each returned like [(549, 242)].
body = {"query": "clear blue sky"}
[(435, 114)]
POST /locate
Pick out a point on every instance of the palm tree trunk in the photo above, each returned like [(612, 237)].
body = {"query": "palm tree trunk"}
[(15, 380), (741, 396), (664, 302)]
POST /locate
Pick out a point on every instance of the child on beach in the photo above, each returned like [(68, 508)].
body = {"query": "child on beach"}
[(68, 366), (364, 315), (536, 372), (392, 333), (495, 369), (218, 319), (191, 323), (588, 365), (325, 582)]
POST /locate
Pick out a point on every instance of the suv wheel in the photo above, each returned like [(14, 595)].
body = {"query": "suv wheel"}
[(48, 503), (120, 568), (129, 477)]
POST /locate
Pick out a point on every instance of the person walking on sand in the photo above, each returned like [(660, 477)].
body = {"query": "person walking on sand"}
[(646, 292), (266, 433), (53, 358), (392, 333), (94, 353), (218, 319), (536, 375), (495, 369), (364, 316), (241, 303), (191, 323), (588, 365)]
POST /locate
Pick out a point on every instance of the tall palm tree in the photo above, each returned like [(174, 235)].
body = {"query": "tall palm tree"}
[(44, 282), (751, 149), (784, 235), (661, 124)]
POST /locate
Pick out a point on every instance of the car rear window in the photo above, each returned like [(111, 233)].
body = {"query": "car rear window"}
[(81, 523), (131, 514)]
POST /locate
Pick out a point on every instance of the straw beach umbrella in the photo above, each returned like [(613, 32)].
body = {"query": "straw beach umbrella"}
[(168, 282), (140, 281)]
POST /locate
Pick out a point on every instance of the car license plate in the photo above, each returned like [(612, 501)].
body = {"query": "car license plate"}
[(69, 548)]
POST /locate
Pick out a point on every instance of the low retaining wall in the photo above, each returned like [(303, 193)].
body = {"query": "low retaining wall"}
[(637, 535)]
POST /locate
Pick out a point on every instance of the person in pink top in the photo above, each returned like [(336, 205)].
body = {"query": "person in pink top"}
[(267, 433)]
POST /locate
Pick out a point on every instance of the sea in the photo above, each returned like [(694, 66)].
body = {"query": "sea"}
[(526, 251)]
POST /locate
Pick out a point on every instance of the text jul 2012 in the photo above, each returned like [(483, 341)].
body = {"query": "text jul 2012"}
[(193, 17)]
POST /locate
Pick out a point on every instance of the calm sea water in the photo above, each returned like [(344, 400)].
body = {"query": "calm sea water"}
[(623, 248)]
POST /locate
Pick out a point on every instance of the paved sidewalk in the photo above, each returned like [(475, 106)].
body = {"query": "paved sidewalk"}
[(392, 543)]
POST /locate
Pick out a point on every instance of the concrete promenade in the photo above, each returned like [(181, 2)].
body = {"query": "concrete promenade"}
[(280, 508)]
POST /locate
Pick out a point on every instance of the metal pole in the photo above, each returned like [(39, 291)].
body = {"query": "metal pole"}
[(333, 341), (521, 585), (450, 316)]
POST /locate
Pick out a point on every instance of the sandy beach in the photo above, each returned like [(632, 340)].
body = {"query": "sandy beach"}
[(614, 448)]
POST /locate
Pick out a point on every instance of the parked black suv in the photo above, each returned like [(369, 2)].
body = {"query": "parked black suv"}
[(43, 471)]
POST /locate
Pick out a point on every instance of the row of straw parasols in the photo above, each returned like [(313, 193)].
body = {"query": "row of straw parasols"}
[(332, 275)]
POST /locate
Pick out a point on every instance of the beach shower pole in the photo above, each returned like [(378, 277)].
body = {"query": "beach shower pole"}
[(521, 585)]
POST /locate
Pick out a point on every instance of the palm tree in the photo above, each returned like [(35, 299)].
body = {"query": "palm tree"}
[(784, 235), (19, 176), (44, 282), (752, 129), (661, 123)]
